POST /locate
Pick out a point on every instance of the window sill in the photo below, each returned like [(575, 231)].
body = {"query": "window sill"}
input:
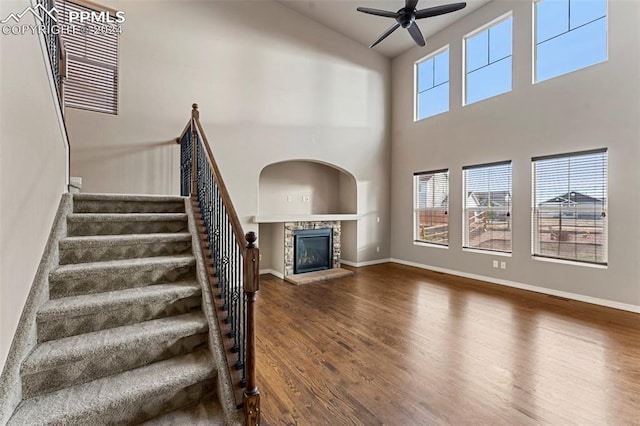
[(489, 252), (425, 244), (570, 262)]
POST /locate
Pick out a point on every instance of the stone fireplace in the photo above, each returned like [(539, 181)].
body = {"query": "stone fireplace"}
[(315, 245), (312, 250)]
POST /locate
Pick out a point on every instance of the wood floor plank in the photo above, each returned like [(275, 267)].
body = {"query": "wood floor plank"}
[(395, 345)]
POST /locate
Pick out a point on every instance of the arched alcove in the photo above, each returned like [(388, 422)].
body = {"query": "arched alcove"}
[(303, 187)]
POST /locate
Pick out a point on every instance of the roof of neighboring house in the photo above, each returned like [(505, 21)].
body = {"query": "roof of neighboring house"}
[(572, 197), (497, 198)]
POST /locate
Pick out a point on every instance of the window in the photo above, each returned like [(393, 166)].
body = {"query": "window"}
[(432, 84), (570, 35), (569, 206), (92, 59), (487, 207), (488, 60), (431, 208)]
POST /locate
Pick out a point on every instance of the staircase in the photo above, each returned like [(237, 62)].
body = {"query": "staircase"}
[(123, 338)]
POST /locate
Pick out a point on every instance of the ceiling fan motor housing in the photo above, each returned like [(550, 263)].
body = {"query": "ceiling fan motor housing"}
[(405, 17)]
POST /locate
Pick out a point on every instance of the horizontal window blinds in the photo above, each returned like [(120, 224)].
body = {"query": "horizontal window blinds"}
[(569, 206), (487, 207), (431, 207), (92, 61)]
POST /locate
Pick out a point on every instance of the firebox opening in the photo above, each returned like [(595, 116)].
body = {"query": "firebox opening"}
[(313, 250)]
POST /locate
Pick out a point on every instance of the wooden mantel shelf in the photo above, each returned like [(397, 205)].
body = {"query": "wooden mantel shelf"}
[(281, 218)]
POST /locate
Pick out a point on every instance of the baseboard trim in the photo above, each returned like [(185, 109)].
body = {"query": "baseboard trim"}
[(272, 272), (574, 296), (367, 263)]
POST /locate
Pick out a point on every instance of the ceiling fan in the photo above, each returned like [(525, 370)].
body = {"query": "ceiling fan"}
[(406, 18)]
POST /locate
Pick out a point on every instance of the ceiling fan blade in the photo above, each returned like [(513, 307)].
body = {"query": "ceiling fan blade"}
[(378, 12), (416, 34), (439, 10), (386, 34), (410, 5)]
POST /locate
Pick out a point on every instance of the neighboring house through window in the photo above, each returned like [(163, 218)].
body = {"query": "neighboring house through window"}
[(487, 207), (92, 58), (488, 60), (569, 206), (431, 210), (569, 35), (432, 84)]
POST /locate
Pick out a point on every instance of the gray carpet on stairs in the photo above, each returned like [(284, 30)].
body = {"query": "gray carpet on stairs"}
[(123, 338)]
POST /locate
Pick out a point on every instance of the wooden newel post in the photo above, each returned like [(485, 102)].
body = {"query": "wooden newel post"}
[(195, 115), (251, 400)]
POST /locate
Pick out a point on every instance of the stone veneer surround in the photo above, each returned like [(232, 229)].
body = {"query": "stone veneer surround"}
[(289, 227)]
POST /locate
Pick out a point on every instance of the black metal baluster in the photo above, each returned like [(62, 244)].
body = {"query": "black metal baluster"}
[(240, 315), (225, 261), (232, 261)]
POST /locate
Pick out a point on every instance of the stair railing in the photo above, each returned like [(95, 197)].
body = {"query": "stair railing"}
[(55, 48), (232, 261)]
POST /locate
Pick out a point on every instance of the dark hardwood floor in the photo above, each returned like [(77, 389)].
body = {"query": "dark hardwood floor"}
[(397, 345)]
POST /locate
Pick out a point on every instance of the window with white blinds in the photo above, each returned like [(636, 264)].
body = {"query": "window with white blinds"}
[(92, 61), (487, 207), (431, 209), (570, 206)]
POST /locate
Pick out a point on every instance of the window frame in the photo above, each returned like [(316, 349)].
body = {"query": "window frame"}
[(492, 23), (415, 82), (417, 209), (84, 61), (535, 226), (465, 216), (534, 38)]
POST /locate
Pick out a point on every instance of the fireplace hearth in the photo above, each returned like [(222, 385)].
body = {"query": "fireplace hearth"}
[(313, 250)]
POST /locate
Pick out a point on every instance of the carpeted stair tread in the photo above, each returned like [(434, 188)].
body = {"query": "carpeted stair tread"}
[(85, 313), (119, 203), (122, 265), (207, 413), (132, 396), (122, 240), (113, 300), (102, 248), (119, 223), (99, 277), (86, 196), (126, 217), (99, 343)]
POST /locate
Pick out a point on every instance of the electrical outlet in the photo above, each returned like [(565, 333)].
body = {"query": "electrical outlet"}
[(378, 249), (289, 198), (495, 263), (503, 265), (305, 198), (378, 219)]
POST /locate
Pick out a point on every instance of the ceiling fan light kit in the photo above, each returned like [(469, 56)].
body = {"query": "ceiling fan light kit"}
[(406, 18)]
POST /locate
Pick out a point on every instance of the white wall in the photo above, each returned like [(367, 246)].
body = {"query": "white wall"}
[(32, 169), (592, 108), (284, 186), (272, 247), (272, 86), (305, 187)]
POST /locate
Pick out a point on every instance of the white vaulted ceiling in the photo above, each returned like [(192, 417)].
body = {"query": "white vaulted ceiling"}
[(341, 16)]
